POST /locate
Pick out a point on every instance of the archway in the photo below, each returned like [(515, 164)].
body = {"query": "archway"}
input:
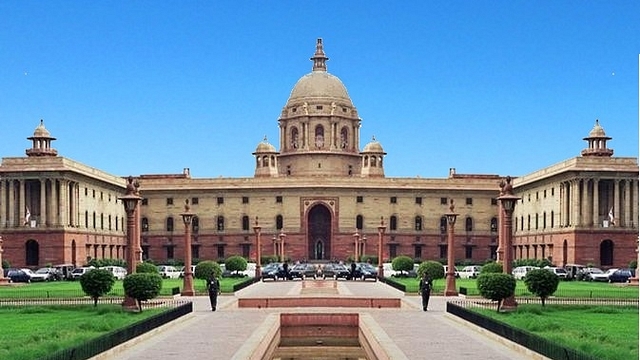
[(32, 253), (319, 233), (606, 253)]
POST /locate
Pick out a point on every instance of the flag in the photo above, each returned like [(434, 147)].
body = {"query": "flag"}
[(611, 216), (27, 216)]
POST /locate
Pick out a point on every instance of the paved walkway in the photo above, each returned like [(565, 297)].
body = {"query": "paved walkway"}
[(219, 335)]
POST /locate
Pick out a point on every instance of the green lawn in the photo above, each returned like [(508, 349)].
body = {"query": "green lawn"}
[(605, 332), (34, 331)]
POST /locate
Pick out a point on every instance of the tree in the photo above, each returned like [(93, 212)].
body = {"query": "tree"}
[(542, 283), (491, 267), (236, 263), (402, 263), (142, 286), (496, 286), (97, 283), (147, 267), (433, 268), (205, 269)]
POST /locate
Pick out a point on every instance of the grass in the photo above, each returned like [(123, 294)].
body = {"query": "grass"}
[(566, 289), (71, 289), (605, 332), (34, 331)]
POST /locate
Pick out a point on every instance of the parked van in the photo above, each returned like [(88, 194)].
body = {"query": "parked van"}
[(469, 272), (118, 271), (521, 271)]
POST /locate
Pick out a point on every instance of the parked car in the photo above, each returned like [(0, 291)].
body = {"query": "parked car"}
[(77, 272), (46, 274), (456, 273), (118, 271), (302, 271), (193, 271), (574, 271), (470, 272), (335, 271), (621, 276), (366, 271), (273, 271), (560, 272), (604, 276), (18, 275), (65, 270), (521, 271), (168, 272), (588, 274)]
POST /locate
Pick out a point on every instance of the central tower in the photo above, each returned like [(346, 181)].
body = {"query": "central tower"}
[(319, 126)]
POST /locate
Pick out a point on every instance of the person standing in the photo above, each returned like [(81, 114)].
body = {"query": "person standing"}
[(425, 290), (213, 285)]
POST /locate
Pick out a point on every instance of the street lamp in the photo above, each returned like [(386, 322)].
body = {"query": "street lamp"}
[(130, 201), (256, 229), (356, 240), (508, 201), (381, 229), (450, 288), (281, 236), (363, 241), (187, 281)]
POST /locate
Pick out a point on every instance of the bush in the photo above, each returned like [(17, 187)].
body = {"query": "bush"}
[(633, 264), (147, 268), (96, 283), (542, 283), (205, 269), (496, 286), (433, 268), (532, 262), (142, 286), (236, 263), (491, 268), (402, 263)]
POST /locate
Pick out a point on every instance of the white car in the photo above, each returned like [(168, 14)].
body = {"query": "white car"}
[(603, 276), (521, 271), (168, 272), (560, 272), (469, 272), (118, 271), (456, 274), (77, 272)]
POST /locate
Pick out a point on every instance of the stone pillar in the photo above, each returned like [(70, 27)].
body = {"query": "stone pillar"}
[(42, 219), (3, 203), (11, 188), (596, 204), (64, 202), (628, 185), (575, 202), (53, 204), (22, 202), (616, 200)]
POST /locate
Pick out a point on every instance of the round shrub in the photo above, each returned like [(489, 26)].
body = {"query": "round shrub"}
[(433, 268), (541, 282), (496, 286), (142, 286), (491, 268), (147, 268), (96, 283), (205, 269), (236, 263), (402, 263)]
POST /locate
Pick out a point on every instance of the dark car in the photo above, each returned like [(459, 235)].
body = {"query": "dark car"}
[(18, 275), (303, 271), (366, 271), (621, 276), (273, 271), (335, 271)]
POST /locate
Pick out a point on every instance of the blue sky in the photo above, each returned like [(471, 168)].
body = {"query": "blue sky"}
[(149, 87)]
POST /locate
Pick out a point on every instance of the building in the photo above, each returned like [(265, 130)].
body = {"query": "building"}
[(319, 197)]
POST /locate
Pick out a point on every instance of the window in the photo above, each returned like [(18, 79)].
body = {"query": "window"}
[(279, 199), (393, 200), (468, 224), (359, 222), (544, 194), (86, 192), (145, 224), (220, 200), (544, 220), (94, 219), (169, 201), (528, 222), (419, 200), (245, 223), (359, 199), (469, 201), (220, 251), (102, 221), (551, 191), (169, 224), (552, 219), (443, 201), (145, 202), (536, 221), (245, 199), (468, 252), (417, 252), (393, 250), (170, 252), (220, 223), (195, 251), (418, 223), (393, 223), (443, 224), (494, 224), (195, 225), (94, 193), (494, 201), (194, 201), (246, 249), (279, 222), (443, 251)]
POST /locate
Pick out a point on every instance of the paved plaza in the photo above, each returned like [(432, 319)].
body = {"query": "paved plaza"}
[(415, 334)]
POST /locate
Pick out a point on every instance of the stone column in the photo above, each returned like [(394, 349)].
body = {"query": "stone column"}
[(596, 204), (64, 202), (616, 200), (634, 191), (22, 202), (53, 204), (628, 184), (3, 203), (11, 188), (575, 202)]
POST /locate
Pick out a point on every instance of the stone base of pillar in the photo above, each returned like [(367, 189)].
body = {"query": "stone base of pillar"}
[(130, 304), (634, 281), (450, 293), (4, 281), (509, 304)]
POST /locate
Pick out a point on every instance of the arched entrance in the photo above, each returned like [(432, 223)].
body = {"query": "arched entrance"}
[(32, 253), (606, 253), (319, 233)]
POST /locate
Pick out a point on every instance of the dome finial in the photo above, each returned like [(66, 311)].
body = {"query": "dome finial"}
[(319, 59)]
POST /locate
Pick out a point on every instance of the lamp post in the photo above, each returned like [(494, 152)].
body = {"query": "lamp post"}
[(363, 241), (381, 229), (187, 281), (276, 253), (281, 236), (450, 288), (256, 229), (130, 201), (508, 202), (356, 240)]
